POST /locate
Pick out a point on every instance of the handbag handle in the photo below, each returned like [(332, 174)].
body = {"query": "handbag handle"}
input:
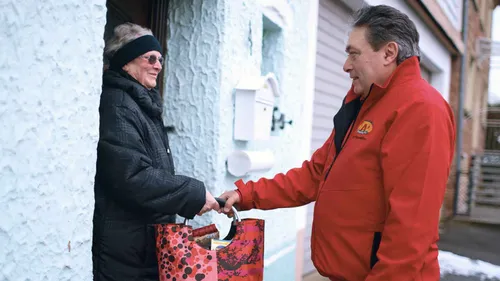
[(222, 204)]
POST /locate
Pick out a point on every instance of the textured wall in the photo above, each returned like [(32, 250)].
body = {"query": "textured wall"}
[(50, 79), (50, 72), (212, 46), (242, 56), (193, 84)]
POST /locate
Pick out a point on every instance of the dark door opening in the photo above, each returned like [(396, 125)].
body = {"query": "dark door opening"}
[(152, 14)]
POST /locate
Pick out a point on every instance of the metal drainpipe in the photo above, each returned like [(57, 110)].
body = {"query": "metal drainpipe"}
[(458, 156)]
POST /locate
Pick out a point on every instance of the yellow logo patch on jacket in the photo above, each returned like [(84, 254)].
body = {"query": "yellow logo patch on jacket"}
[(365, 127)]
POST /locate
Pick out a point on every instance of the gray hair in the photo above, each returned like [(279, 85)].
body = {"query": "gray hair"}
[(385, 24), (123, 34)]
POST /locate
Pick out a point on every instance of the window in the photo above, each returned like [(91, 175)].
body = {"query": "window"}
[(470, 86)]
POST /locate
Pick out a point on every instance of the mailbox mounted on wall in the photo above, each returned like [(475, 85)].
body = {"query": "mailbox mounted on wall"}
[(253, 110)]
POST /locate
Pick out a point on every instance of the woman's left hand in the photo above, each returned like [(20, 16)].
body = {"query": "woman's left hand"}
[(210, 204)]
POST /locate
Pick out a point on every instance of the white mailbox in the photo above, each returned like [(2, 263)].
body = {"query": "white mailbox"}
[(254, 103)]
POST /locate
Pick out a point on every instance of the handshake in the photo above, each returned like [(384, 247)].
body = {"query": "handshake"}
[(231, 198)]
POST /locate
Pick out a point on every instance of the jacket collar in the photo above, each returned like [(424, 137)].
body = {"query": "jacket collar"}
[(148, 100), (407, 70)]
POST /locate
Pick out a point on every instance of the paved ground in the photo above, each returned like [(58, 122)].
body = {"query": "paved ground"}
[(317, 277), (475, 241)]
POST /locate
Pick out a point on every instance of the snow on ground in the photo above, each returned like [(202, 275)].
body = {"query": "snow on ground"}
[(451, 263)]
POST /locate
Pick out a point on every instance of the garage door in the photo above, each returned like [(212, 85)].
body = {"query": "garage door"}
[(331, 85)]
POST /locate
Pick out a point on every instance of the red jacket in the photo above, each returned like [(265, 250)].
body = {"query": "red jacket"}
[(377, 207)]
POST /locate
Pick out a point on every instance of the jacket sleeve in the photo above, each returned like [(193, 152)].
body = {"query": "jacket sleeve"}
[(297, 187), (416, 155), (132, 179)]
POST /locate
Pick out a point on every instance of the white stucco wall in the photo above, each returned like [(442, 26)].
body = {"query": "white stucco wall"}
[(193, 89), (50, 80), (438, 56), (242, 57), (50, 72), (212, 46)]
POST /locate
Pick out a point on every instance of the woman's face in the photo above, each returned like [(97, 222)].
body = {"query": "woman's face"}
[(145, 68)]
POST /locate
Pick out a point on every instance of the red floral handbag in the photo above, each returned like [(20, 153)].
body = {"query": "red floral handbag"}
[(181, 258)]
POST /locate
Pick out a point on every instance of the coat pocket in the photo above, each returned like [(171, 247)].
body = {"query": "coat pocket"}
[(358, 208)]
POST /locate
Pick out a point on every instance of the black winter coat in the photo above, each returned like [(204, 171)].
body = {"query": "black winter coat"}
[(135, 183)]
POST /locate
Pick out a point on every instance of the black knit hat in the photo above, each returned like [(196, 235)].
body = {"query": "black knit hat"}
[(134, 49)]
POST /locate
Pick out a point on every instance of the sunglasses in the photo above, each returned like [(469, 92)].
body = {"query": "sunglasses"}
[(152, 59)]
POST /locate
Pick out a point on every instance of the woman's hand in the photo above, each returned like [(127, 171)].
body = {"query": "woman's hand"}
[(210, 204)]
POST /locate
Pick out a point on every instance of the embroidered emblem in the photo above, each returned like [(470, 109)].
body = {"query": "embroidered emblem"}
[(365, 127)]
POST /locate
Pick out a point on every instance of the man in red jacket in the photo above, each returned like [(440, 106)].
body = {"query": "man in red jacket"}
[(379, 179)]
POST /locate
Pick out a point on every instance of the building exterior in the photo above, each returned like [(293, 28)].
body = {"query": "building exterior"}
[(213, 47), (51, 71), (481, 203), (485, 206), (469, 99)]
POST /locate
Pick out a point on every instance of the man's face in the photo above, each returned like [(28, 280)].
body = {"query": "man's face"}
[(364, 65)]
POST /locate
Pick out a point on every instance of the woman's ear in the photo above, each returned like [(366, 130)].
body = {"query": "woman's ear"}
[(391, 52)]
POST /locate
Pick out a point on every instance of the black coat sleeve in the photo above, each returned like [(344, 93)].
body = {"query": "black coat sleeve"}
[(132, 179)]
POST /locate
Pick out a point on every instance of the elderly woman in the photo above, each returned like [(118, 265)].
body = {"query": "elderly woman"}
[(135, 183)]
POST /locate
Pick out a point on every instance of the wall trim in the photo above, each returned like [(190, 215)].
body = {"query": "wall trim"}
[(432, 15), (281, 253)]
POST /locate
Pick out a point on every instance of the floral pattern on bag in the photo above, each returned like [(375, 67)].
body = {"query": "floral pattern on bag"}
[(180, 258)]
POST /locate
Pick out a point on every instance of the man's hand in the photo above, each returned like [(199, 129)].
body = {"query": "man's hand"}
[(210, 204), (232, 198)]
